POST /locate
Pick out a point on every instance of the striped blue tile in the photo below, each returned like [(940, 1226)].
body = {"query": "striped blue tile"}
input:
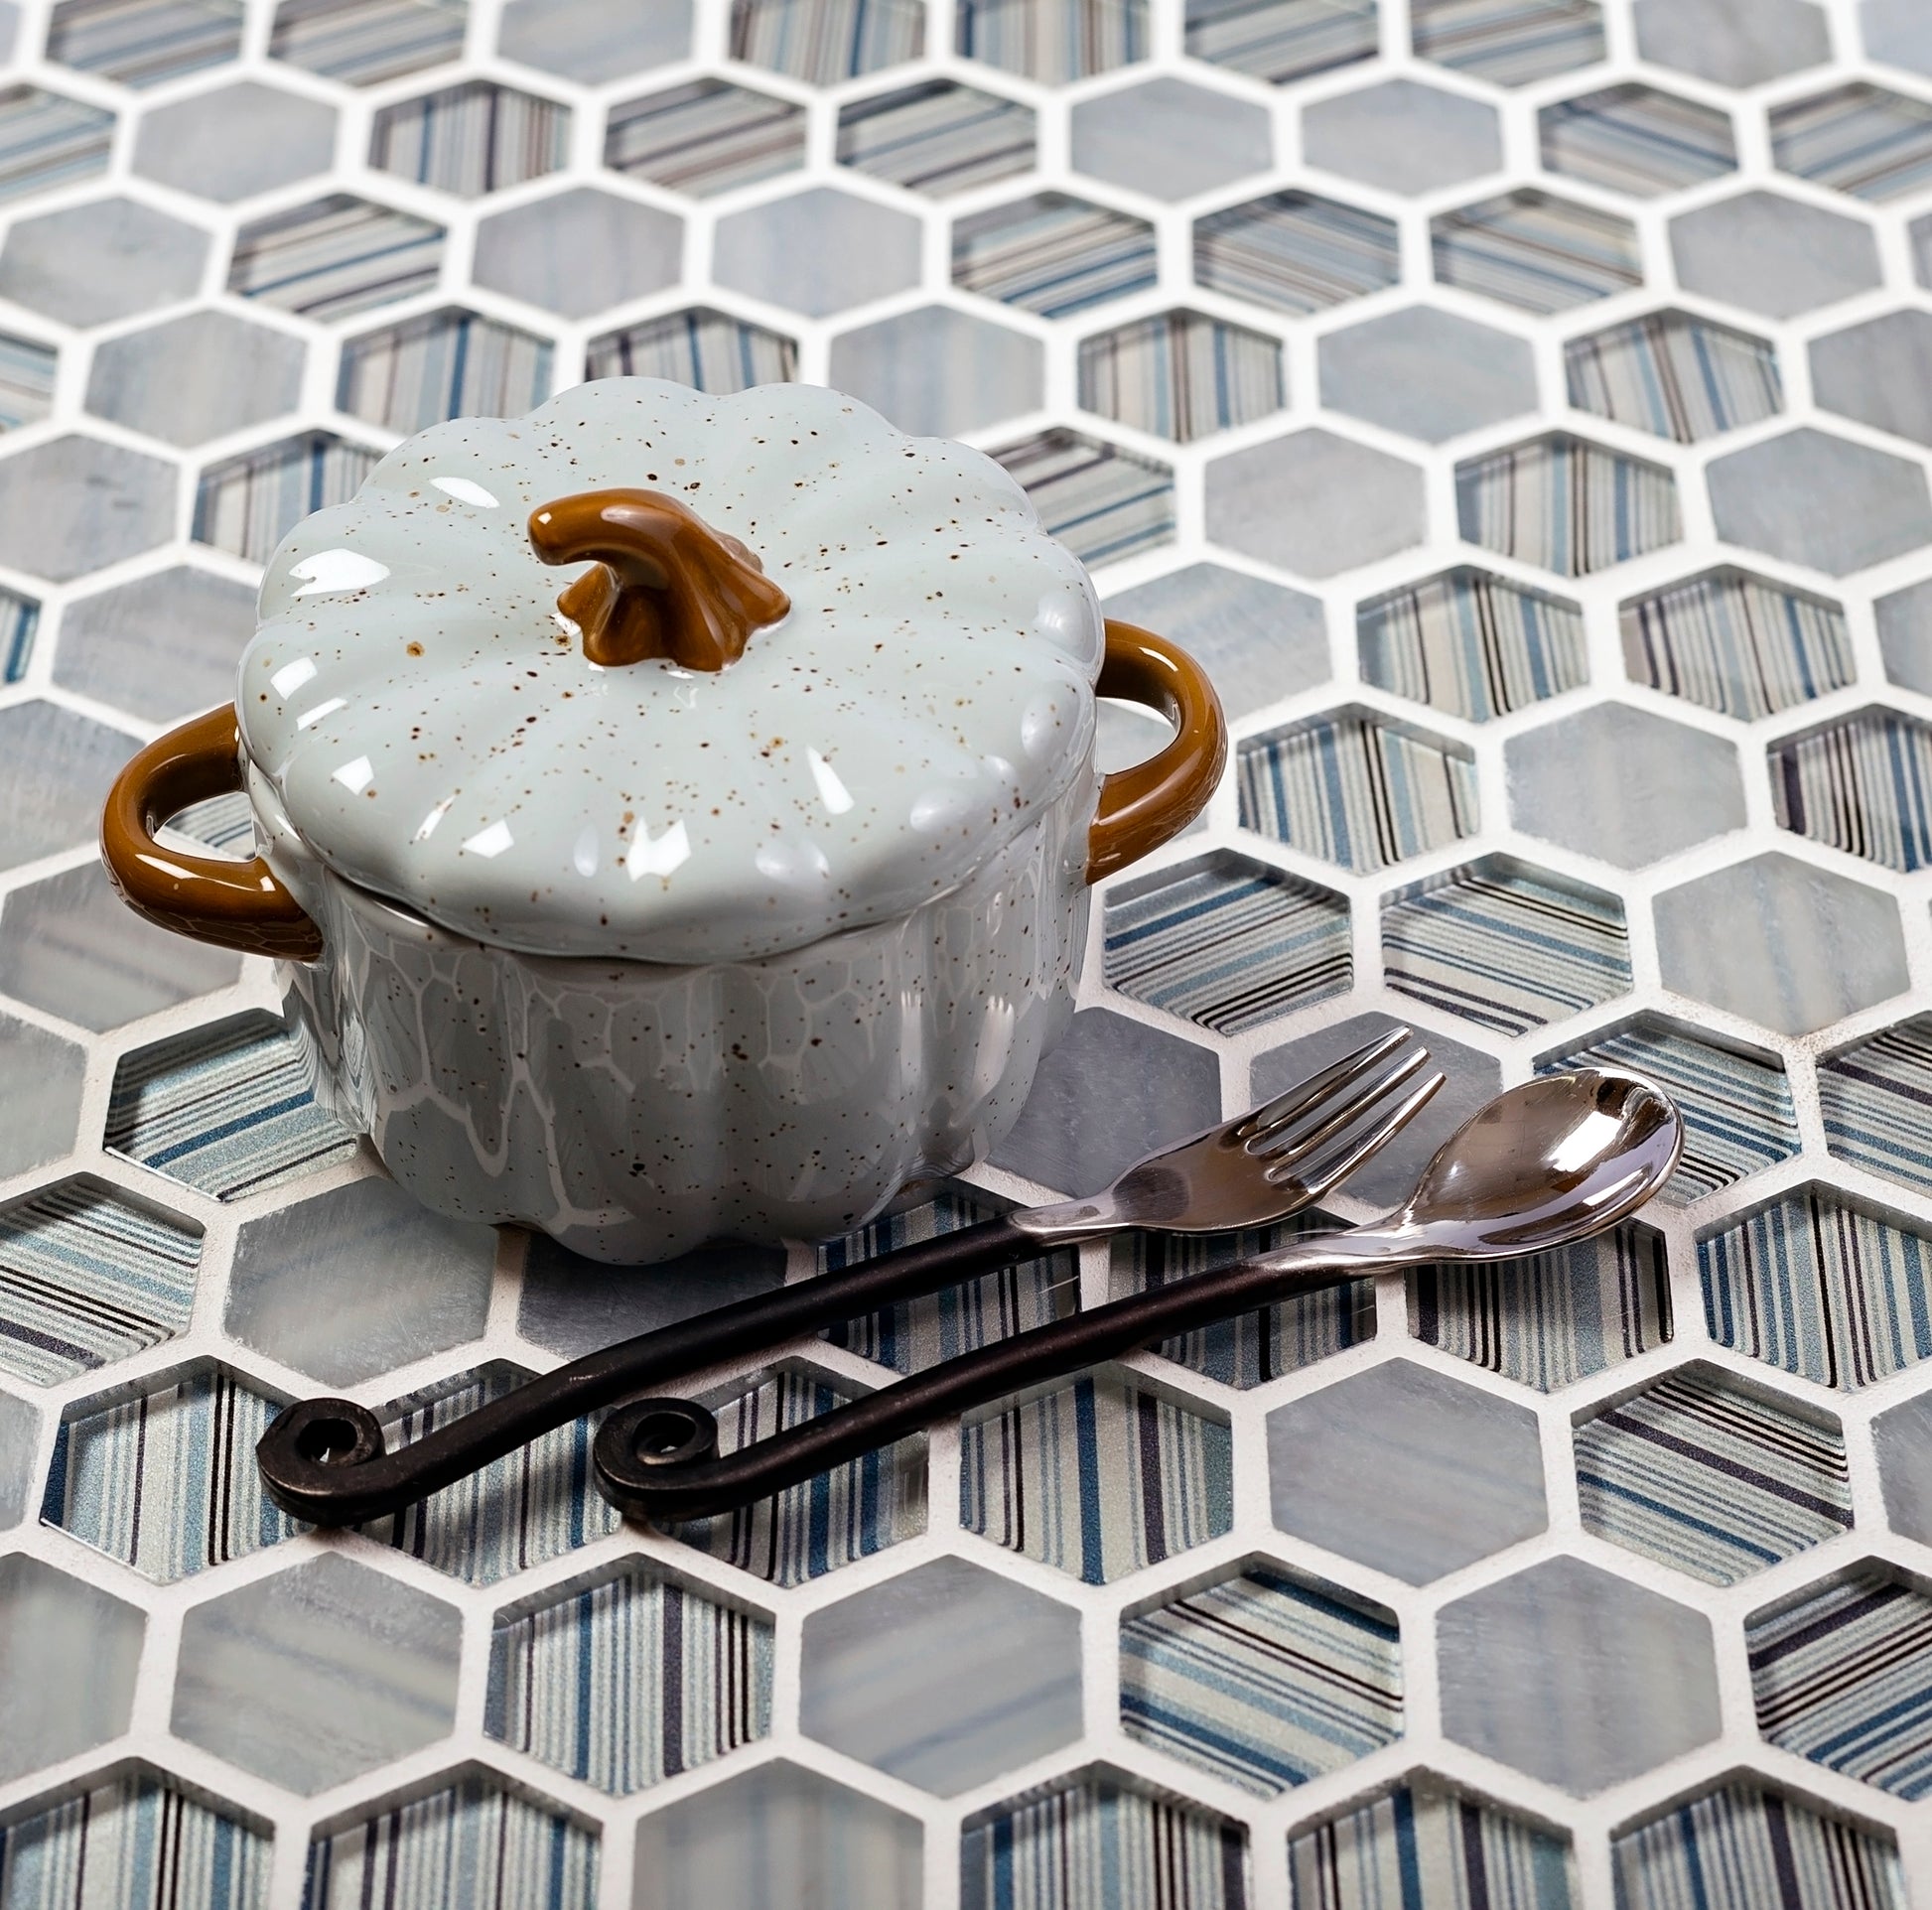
[(1817, 1285), (1052, 254), (20, 619), (1856, 139), (1737, 643), (1508, 42), (1102, 503), (629, 1680), (1566, 505), (1634, 139), (937, 137), (88, 1278), (1550, 1320), (1097, 1479), (1424, 1847), (1534, 250), (1844, 1677), (1262, 1681), (1052, 41), (228, 1109), (364, 42), (1876, 1099), (475, 138), (1182, 375), (1226, 943), (1708, 1479), (143, 43), (705, 137), (1736, 1107), (1355, 791), (443, 364), (26, 381), (249, 503), (709, 351), (335, 257), (134, 1843), (1674, 375), (49, 140), (822, 42), (1295, 252), (1282, 40), (1096, 1846), (473, 1845), (1863, 785)]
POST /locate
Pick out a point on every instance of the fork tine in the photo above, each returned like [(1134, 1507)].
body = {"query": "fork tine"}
[(1290, 1145), (1318, 1178), (1318, 1087)]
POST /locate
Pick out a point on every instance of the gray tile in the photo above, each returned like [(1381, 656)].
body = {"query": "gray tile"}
[(574, 1306), (1403, 136), (1898, 32), (20, 1429), (1576, 1677), (199, 377), (162, 646), (1427, 373), (1903, 1437), (819, 251), (106, 260), (1170, 139), (1905, 636), (579, 252), (68, 1653), (1765, 498), (1879, 372), (54, 771), (75, 505), (1736, 42), (938, 371), (1111, 1092), (318, 1673), (1315, 503), (1792, 947), (69, 946), (1771, 255), (1386, 1178), (1622, 784), (1259, 642), (945, 1676), (1457, 1474), (41, 1127), (595, 40), (784, 1839), (236, 141), (358, 1280)]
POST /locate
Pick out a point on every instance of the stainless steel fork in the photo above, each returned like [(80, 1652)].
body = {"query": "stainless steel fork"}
[(325, 1460)]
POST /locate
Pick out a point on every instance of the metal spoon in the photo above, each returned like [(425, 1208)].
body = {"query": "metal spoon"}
[(1543, 1166)]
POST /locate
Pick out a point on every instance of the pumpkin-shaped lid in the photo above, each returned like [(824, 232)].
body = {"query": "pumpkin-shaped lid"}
[(670, 677)]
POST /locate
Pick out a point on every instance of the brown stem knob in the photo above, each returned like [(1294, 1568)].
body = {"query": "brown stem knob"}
[(665, 584)]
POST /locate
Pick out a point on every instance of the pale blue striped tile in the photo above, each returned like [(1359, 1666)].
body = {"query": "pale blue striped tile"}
[(823, 42), (1182, 375), (1567, 505), (1534, 250), (1053, 40), (334, 257), (1635, 139), (1508, 42), (443, 364), (26, 381), (1295, 252), (1102, 503), (46, 140), (1737, 643), (470, 139), (709, 351), (705, 137), (1876, 1099), (1282, 40), (937, 137), (142, 42), (20, 621), (1677, 377), (1856, 139), (1052, 254), (1863, 785), (249, 503), (364, 42)]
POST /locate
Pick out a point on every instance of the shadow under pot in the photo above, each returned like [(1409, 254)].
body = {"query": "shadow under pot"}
[(721, 895)]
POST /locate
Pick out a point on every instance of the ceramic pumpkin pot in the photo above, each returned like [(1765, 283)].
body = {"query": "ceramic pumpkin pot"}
[(675, 815)]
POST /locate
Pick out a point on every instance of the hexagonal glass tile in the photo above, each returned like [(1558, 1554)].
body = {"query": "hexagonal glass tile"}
[(579, 251), (1764, 499), (69, 1655), (1634, 139), (1428, 373), (1471, 644), (1314, 503), (37, 1129), (1182, 374), (443, 365), (335, 257), (1295, 252), (1052, 254), (228, 1109), (1401, 135), (1901, 1437), (592, 42), (365, 42), (630, 1680), (143, 43), (937, 137), (190, 378), (1711, 1480), (1904, 619), (1534, 250), (1856, 139), (1859, 784), (1711, 38), (936, 370), (478, 1841), (107, 259), (1736, 1105), (1262, 1680), (470, 139), (705, 137), (708, 349), (1102, 503), (1870, 371), (1877, 1101), (235, 141), (1737, 643), (56, 769), (1837, 1675), (1280, 40), (1772, 254), (1819, 1286), (246, 504), (1226, 943), (49, 140), (1171, 138), (20, 618), (1508, 42), (69, 505), (822, 42), (1741, 1847), (817, 252), (1674, 375), (164, 1479), (1549, 1319), (87, 1276), (1050, 42), (1505, 945), (26, 381), (156, 1843), (1037, 1852), (1355, 789), (1098, 1478), (829, 1521), (1566, 505)]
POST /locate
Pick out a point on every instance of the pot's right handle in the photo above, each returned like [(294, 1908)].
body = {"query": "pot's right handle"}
[(232, 904), (1148, 804)]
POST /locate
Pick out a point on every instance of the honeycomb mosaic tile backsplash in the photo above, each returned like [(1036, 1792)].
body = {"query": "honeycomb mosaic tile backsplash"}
[(1524, 408)]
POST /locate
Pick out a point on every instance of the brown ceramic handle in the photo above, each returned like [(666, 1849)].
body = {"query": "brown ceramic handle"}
[(1153, 802), (233, 904)]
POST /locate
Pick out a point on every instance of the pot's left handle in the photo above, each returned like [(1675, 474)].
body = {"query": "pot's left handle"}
[(1148, 804), (233, 904)]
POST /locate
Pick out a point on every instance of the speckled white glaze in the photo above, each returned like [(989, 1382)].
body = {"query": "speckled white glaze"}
[(431, 722)]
